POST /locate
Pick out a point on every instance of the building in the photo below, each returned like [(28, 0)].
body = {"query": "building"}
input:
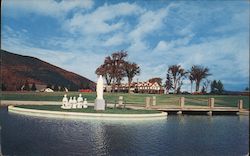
[(140, 87)]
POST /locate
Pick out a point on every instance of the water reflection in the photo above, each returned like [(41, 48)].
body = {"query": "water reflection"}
[(177, 135)]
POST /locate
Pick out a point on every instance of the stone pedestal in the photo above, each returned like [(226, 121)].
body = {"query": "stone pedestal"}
[(99, 104)]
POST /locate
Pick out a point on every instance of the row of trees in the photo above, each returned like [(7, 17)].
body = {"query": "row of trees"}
[(115, 68), (176, 74), (197, 74)]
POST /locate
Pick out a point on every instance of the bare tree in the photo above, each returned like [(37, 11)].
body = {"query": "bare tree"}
[(176, 74), (199, 73)]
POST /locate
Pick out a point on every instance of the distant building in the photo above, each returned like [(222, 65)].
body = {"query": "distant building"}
[(140, 87)]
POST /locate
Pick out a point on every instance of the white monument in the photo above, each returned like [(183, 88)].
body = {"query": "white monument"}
[(80, 101), (85, 103), (74, 102), (64, 102), (70, 102), (99, 102)]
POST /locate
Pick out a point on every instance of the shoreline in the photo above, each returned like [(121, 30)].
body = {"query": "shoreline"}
[(99, 116)]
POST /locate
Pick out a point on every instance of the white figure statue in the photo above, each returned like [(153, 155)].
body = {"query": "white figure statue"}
[(99, 88), (64, 102), (85, 103), (70, 102), (74, 102), (99, 102), (80, 101)]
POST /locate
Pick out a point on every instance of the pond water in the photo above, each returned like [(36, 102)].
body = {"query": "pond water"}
[(176, 135)]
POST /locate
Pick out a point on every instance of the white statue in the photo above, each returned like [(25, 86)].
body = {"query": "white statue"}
[(80, 101), (64, 102), (85, 103), (70, 102), (99, 102), (99, 88), (74, 102)]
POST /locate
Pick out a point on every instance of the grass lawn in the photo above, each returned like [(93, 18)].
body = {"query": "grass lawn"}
[(89, 109), (137, 99)]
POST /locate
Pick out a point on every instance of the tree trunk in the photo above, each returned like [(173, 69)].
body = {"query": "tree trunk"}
[(129, 82), (191, 87), (197, 86)]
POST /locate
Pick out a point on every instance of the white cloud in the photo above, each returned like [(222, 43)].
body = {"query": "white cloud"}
[(44, 7), (102, 19)]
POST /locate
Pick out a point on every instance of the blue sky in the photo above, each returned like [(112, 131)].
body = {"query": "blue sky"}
[(78, 34)]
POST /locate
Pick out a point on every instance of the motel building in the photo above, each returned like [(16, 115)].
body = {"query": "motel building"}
[(139, 87)]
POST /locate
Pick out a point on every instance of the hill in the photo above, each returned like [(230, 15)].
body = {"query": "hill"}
[(18, 69)]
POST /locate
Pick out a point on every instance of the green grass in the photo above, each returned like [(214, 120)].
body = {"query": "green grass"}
[(89, 109), (137, 99)]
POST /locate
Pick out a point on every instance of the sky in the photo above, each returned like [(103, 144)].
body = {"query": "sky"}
[(77, 35)]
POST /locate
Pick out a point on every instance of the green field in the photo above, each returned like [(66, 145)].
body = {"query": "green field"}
[(137, 99), (90, 109)]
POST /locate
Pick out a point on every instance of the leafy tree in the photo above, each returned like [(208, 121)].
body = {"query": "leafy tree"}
[(62, 88), (176, 74), (131, 70), (198, 73), (247, 89), (113, 68), (217, 87), (156, 79), (220, 87), (168, 84), (104, 70), (33, 87), (56, 88), (26, 86)]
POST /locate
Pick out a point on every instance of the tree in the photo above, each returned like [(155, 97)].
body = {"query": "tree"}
[(113, 68), (104, 70), (131, 70), (247, 89), (220, 87), (203, 90), (62, 88), (191, 81), (217, 87), (33, 87), (56, 88), (176, 74), (198, 73), (156, 79), (206, 83), (168, 84), (26, 86)]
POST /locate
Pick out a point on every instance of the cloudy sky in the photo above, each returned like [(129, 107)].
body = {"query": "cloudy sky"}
[(78, 34)]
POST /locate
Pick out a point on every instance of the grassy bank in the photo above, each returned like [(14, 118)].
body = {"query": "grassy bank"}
[(89, 110), (138, 99)]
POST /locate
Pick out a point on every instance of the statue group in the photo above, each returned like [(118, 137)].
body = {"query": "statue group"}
[(74, 103)]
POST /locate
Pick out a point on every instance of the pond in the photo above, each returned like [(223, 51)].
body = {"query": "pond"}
[(176, 135)]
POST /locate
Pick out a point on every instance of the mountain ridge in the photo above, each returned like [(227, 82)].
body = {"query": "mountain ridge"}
[(17, 69)]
